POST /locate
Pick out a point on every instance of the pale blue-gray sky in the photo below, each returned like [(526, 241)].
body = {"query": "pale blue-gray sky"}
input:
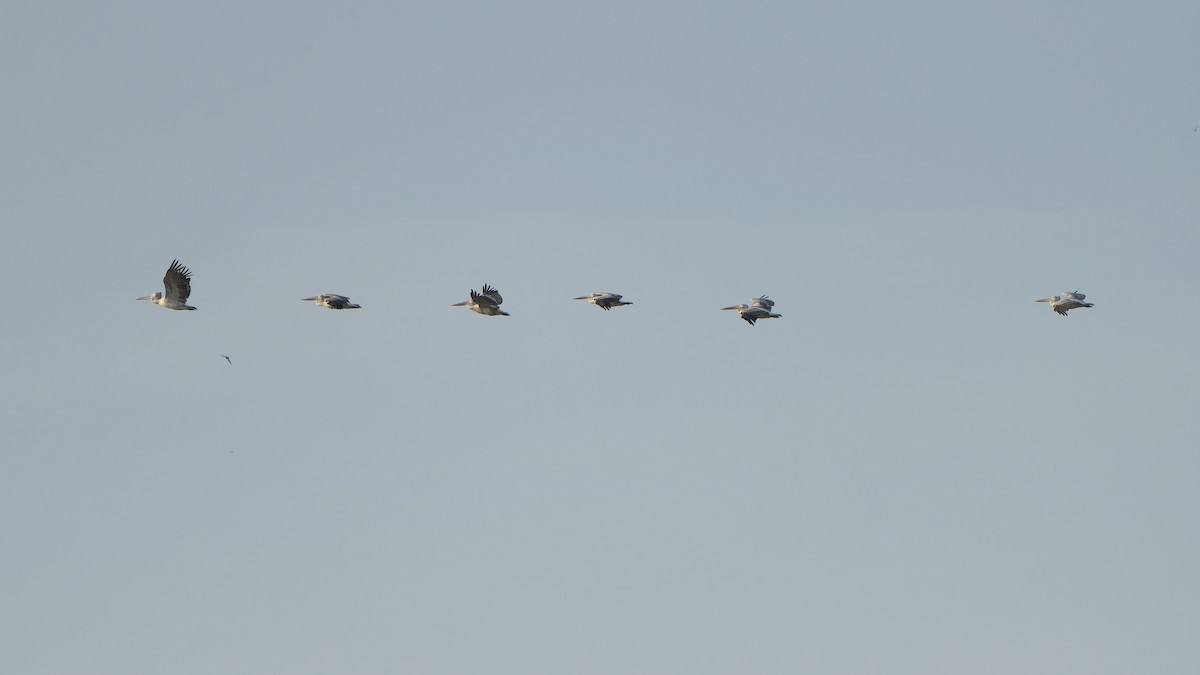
[(915, 470)]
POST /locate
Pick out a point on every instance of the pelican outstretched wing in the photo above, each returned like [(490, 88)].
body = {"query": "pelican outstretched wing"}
[(1066, 304), (489, 296), (764, 302), (177, 282)]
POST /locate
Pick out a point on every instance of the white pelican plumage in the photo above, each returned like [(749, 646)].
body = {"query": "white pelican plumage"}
[(759, 308), (332, 301), (486, 302), (1066, 301), (604, 300), (178, 286)]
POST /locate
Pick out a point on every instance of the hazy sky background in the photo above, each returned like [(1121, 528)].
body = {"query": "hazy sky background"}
[(915, 470)]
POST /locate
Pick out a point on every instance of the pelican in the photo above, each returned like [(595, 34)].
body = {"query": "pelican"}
[(178, 285), (1066, 301), (604, 300), (332, 301), (486, 302), (226, 358), (759, 308)]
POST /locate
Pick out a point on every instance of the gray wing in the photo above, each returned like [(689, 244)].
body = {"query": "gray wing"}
[(764, 302), (177, 282), (1063, 303), (1066, 304), (489, 296)]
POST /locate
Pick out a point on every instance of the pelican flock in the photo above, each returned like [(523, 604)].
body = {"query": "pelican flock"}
[(604, 300), (332, 301), (177, 286), (1066, 301), (486, 302), (759, 308)]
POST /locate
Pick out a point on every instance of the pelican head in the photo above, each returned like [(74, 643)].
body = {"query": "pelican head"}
[(738, 307), (153, 297)]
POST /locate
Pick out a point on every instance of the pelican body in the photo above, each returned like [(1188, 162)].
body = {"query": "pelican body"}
[(332, 301), (177, 284), (759, 308), (486, 302), (604, 301), (1066, 301)]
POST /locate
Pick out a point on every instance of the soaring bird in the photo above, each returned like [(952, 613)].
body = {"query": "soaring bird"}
[(332, 301), (759, 308), (178, 285), (486, 302), (226, 358), (604, 300), (1066, 301)]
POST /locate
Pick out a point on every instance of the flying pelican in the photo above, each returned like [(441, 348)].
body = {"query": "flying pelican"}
[(178, 285), (226, 358), (759, 308), (332, 301), (1066, 301), (604, 300), (486, 302)]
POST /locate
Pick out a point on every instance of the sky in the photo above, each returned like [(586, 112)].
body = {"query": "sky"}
[(915, 470)]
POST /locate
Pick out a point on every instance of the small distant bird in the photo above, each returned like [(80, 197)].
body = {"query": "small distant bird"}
[(332, 301), (759, 308), (226, 358), (1066, 301), (178, 286), (487, 302), (604, 301)]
